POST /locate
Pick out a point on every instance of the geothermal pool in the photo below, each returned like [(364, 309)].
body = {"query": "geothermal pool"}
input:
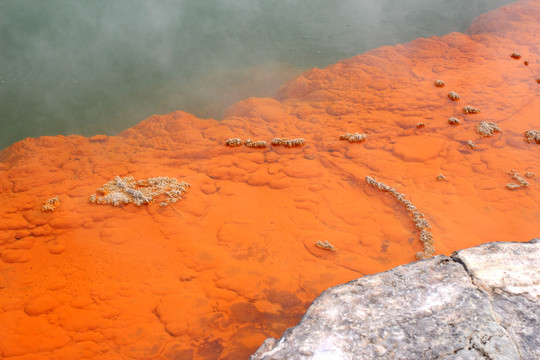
[(100, 67), (210, 269)]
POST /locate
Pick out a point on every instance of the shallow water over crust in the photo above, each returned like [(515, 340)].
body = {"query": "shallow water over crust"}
[(233, 262)]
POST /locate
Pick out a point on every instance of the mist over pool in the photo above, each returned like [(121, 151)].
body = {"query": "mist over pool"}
[(98, 67)]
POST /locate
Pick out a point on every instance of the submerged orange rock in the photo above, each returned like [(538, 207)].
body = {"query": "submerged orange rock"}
[(236, 261)]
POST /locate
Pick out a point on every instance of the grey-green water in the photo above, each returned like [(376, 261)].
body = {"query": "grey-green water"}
[(100, 66)]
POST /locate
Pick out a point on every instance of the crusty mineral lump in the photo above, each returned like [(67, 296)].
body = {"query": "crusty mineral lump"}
[(441, 177), (519, 181), (356, 137), (124, 191), (487, 128), (480, 303), (452, 95), (470, 110), (471, 144), (325, 245), (439, 83), (51, 204), (453, 121), (515, 55), (260, 144), (288, 142), (233, 142), (533, 136)]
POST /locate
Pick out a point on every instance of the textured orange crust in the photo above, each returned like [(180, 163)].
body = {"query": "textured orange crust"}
[(234, 262)]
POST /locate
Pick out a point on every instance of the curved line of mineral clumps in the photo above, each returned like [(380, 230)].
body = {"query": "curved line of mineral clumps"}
[(120, 191), (426, 238)]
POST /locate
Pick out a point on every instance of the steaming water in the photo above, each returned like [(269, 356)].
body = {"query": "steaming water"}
[(100, 66)]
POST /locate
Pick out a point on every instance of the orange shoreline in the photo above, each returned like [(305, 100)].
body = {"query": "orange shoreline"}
[(235, 260)]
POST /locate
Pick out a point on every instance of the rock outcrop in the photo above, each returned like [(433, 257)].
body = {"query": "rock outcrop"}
[(479, 303)]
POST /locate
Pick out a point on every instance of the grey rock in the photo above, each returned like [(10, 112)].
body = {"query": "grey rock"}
[(510, 274), (480, 303)]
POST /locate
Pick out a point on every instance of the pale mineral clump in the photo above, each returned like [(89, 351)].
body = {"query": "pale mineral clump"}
[(441, 177), (255, 144), (121, 191), (419, 220), (453, 121), (325, 245), (533, 136), (470, 110), (439, 83), (356, 137), (515, 55), (288, 142), (233, 142), (519, 181), (426, 238), (420, 125), (486, 128), (471, 144), (51, 204), (452, 95), (512, 186)]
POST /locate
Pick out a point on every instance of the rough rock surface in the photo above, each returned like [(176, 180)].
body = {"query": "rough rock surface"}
[(480, 303)]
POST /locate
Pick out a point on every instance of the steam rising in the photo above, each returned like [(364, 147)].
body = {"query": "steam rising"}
[(89, 67)]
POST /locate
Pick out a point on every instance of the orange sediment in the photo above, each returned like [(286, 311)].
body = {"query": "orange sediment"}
[(235, 260)]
